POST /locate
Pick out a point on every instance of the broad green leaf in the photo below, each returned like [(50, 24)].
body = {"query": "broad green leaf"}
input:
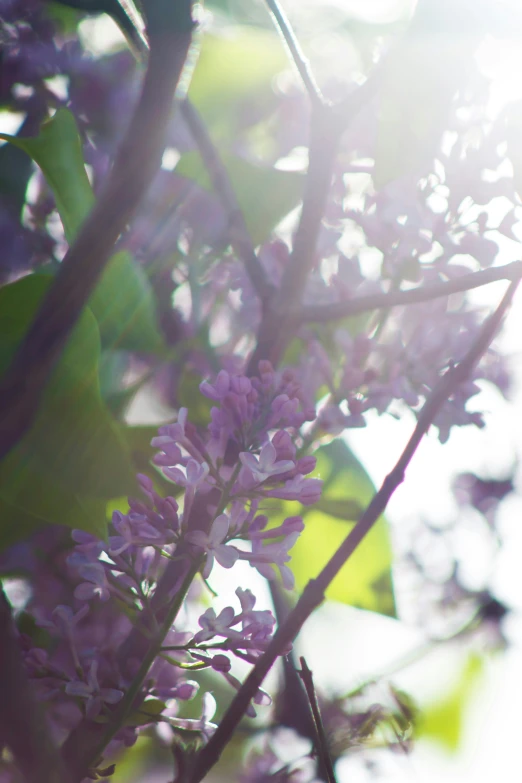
[(123, 301), (264, 195), (421, 76), (442, 722), (58, 152), (64, 17), (124, 306), (150, 709), (15, 172), (74, 439), (365, 581), (234, 68), (29, 499)]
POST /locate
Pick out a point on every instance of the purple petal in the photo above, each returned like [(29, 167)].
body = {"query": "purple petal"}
[(111, 695), (219, 529), (77, 688), (226, 555)]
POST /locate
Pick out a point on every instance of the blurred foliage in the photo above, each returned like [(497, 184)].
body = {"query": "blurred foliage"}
[(233, 68), (58, 152), (442, 722), (416, 97), (365, 581), (264, 195)]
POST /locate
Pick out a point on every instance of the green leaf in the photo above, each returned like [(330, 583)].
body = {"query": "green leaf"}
[(64, 17), (30, 499), (365, 581), (264, 195), (74, 439), (58, 152), (124, 306), (123, 301), (443, 721), (150, 709), (15, 171), (422, 74), (232, 69)]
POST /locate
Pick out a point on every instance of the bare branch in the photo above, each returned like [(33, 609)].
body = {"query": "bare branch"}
[(22, 723), (239, 236), (321, 741), (313, 594), (362, 304), (296, 53), (136, 163), (328, 124), (277, 325)]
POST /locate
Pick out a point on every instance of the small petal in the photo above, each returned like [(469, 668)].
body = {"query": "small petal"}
[(226, 555)]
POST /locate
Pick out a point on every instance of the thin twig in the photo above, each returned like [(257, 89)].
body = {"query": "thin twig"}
[(313, 594), (277, 325), (22, 723), (362, 304), (328, 124), (238, 232), (321, 741), (137, 161), (296, 53)]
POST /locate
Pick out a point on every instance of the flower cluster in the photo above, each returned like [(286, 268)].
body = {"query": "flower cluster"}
[(246, 457)]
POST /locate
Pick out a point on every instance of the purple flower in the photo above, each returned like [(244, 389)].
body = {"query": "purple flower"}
[(185, 690), (290, 525), (265, 557), (90, 690), (88, 544), (220, 663), (306, 490), (218, 389), (195, 473), (95, 585), (219, 625), (213, 545), (266, 465), (134, 530)]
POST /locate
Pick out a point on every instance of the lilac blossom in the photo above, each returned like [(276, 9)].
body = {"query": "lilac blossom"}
[(90, 690), (212, 544), (133, 530), (194, 474), (265, 466), (95, 584), (217, 625), (265, 556), (306, 490)]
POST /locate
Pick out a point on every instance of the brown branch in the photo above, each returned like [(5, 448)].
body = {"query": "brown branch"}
[(277, 325), (321, 741), (296, 53), (313, 594), (22, 721), (238, 232), (363, 304), (328, 124), (136, 163)]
